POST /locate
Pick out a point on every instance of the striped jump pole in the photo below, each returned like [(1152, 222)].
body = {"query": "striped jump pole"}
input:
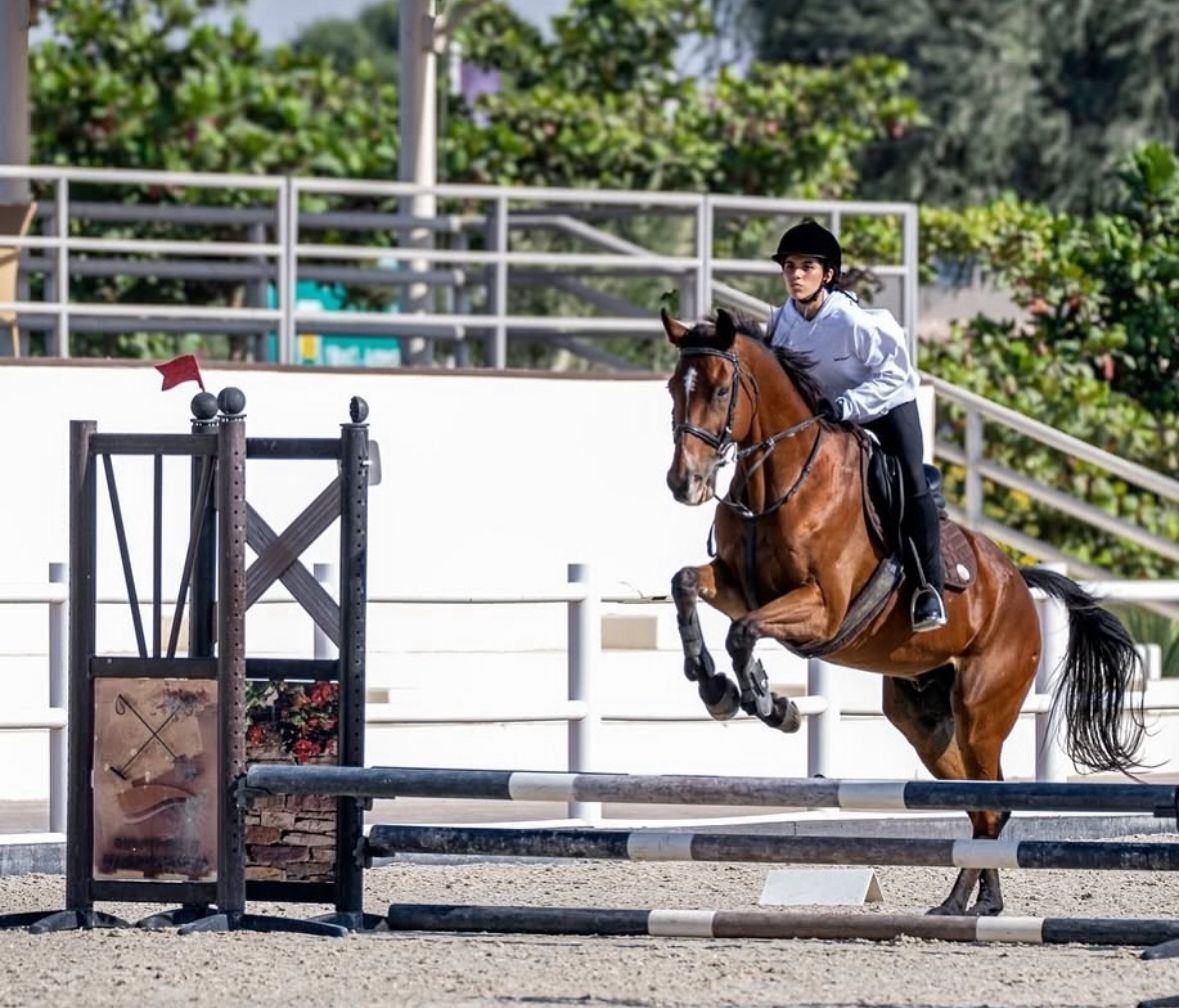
[(1161, 800), (777, 924), (654, 845)]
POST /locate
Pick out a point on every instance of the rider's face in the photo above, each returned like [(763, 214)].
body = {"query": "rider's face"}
[(803, 275)]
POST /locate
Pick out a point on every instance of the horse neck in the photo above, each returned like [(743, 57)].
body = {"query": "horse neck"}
[(780, 406)]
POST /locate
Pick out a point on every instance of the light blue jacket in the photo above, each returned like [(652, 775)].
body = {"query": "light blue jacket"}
[(860, 356)]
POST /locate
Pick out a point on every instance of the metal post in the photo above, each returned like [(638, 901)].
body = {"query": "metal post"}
[(1052, 763), (354, 470), (499, 355), (80, 729), (61, 272), (58, 698), (322, 646), (822, 730), (704, 255), (288, 268), (14, 96), (974, 455), (585, 643), (231, 661), (418, 119), (202, 620), (910, 309)]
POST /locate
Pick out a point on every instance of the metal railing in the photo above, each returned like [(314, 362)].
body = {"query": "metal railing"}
[(477, 284), (971, 456), (582, 710)]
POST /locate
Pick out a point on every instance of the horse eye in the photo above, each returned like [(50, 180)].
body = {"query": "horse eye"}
[(721, 392)]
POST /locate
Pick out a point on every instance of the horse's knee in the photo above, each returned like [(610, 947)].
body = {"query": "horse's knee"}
[(685, 584)]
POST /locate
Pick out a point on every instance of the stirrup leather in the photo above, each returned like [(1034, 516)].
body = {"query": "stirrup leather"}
[(935, 620)]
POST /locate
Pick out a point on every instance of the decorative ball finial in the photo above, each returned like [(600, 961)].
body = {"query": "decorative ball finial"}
[(232, 401), (358, 409), (204, 406)]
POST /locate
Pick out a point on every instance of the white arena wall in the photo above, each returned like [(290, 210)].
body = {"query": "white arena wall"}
[(490, 482)]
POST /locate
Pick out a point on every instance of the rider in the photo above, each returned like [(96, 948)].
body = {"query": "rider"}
[(863, 367)]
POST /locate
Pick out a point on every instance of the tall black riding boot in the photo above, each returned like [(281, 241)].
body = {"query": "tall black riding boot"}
[(927, 608)]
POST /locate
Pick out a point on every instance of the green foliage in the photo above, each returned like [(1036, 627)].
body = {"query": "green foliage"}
[(603, 107), (153, 84), (1147, 627), (1102, 289), (1095, 356), (1040, 97), (371, 38)]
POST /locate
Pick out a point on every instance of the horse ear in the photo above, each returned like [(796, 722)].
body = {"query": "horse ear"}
[(726, 328), (675, 330)]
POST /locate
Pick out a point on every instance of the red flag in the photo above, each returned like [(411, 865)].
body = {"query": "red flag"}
[(180, 370)]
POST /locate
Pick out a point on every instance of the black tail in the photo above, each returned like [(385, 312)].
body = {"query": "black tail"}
[(1104, 731)]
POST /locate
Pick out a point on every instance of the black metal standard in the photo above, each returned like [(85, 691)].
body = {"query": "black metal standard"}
[(214, 570), (198, 578), (354, 478), (231, 691)]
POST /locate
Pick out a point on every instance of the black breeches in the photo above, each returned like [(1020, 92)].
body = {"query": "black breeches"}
[(899, 433)]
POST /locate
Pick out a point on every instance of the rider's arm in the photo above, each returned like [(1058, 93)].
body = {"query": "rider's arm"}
[(887, 360)]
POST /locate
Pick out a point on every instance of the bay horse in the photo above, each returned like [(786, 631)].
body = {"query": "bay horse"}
[(794, 552)]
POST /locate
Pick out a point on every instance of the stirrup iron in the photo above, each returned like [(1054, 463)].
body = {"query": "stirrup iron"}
[(933, 621)]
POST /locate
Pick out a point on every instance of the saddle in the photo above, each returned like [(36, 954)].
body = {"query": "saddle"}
[(883, 511)]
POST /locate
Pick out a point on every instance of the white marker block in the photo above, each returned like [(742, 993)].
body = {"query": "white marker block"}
[(820, 887)]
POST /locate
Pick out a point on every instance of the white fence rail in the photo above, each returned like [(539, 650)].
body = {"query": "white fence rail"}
[(421, 257), (828, 727)]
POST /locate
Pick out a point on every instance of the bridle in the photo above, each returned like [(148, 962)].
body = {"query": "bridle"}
[(722, 442), (719, 443)]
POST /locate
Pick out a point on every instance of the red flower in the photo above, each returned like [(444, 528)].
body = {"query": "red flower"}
[(255, 735), (304, 749), (313, 722), (323, 693)]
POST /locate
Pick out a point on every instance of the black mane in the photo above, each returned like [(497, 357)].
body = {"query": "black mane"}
[(796, 364)]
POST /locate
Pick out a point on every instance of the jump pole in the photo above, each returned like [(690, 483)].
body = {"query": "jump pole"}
[(1161, 800), (759, 848), (777, 924)]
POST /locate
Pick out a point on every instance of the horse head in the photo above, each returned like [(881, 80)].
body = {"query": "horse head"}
[(716, 392), (708, 412)]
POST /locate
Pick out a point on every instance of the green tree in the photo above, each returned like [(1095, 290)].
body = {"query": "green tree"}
[(371, 37), (156, 84), (1100, 289), (1039, 97), (603, 106)]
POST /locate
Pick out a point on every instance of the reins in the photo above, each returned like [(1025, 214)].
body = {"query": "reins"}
[(720, 443)]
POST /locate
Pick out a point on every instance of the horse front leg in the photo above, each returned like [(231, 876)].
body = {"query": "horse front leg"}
[(797, 615), (711, 582)]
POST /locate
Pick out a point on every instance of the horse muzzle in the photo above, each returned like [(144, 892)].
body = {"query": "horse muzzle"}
[(690, 487)]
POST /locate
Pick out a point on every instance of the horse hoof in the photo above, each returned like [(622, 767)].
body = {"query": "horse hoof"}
[(944, 910), (720, 697), (784, 716), (981, 909)]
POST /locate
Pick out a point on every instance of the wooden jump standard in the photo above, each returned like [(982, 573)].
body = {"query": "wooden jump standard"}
[(1161, 800), (777, 924), (654, 845)]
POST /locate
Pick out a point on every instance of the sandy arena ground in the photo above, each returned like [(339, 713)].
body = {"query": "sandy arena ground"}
[(137, 968)]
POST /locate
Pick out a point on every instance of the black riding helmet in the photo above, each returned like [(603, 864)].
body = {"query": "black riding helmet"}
[(812, 239)]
